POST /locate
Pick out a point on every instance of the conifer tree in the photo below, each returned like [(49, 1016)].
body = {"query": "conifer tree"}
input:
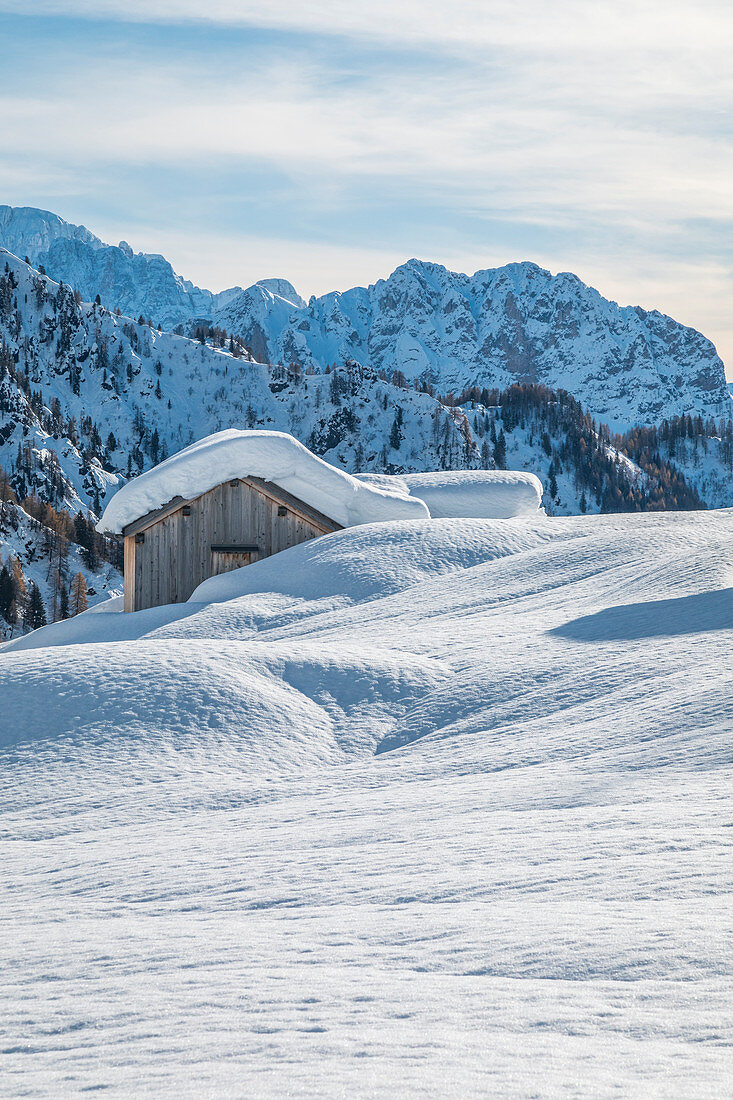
[(19, 586), (395, 436), (78, 601), (500, 451), (552, 482), (7, 592), (57, 588), (34, 614)]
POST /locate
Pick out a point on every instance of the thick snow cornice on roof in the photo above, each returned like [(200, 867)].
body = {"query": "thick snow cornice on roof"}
[(274, 456)]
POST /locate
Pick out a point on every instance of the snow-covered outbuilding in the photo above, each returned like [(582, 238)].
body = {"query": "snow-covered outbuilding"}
[(231, 499), (239, 496)]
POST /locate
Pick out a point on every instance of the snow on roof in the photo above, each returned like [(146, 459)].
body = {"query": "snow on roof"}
[(274, 456), (467, 494)]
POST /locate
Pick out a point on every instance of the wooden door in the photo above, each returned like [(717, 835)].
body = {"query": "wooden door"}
[(226, 558)]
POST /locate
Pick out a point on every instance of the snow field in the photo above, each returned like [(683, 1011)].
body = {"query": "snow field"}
[(437, 806)]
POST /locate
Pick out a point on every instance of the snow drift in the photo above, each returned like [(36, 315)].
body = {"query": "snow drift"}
[(432, 790), (275, 456), (467, 494)]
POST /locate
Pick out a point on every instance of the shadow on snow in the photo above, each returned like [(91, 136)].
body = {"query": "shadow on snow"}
[(682, 615)]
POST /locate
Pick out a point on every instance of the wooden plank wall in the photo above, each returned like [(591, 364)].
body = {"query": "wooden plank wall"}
[(175, 555), (129, 574)]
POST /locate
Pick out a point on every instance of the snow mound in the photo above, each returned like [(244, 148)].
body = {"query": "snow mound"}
[(375, 560), (275, 456), (341, 570), (467, 494)]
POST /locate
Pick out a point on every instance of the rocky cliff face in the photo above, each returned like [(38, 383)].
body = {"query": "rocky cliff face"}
[(513, 324), (31, 232), (134, 282)]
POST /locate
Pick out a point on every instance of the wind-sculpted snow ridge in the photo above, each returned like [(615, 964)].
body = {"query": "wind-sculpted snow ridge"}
[(434, 807), (274, 456)]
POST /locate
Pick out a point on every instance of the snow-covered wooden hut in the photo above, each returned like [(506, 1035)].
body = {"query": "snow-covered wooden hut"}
[(239, 496), (231, 499)]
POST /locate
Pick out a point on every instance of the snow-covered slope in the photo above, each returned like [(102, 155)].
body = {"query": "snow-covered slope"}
[(257, 314), (88, 398), (434, 807)]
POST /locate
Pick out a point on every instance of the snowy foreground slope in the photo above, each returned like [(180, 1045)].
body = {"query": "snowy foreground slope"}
[(438, 806)]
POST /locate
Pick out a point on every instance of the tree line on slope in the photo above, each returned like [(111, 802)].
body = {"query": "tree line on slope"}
[(55, 531), (573, 441), (22, 606), (677, 434)]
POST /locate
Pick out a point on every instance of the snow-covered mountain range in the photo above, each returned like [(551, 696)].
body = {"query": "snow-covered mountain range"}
[(516, 323), (134, 282), (512, 324), (88, 398)]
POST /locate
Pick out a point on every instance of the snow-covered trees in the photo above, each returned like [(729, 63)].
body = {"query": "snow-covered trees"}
[(557, 427)]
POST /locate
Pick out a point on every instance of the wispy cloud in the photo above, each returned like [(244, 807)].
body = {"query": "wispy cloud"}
[(587, 136), (561, 26), (473, 141)]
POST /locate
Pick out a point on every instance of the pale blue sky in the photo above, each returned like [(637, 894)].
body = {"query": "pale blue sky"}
[(329, 142)]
